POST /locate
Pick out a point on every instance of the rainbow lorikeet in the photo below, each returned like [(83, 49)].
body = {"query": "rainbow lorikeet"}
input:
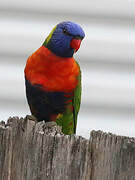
[(53, 77)]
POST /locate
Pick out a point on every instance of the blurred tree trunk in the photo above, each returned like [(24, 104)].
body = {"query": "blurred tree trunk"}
[(30, 151)]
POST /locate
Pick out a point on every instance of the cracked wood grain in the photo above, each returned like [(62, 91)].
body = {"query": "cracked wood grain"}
[(40, 151)]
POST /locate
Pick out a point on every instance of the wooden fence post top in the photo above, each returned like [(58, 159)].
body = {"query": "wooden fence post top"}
[(38, 151)]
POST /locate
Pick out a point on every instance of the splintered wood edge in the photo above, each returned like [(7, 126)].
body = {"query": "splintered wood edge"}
[(53, 129), (100, 136)]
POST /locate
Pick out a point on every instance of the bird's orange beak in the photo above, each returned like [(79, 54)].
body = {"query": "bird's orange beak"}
[(75, 44)]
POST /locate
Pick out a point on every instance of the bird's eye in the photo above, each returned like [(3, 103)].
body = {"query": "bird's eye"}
[(65, 31)]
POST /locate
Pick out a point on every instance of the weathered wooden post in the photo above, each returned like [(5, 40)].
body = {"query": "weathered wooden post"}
[(113, 157), (30, 151)]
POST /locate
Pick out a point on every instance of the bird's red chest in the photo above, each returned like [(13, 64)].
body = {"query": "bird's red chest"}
[(52, 72)]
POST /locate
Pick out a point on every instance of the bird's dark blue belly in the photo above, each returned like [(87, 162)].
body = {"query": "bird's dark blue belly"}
[(43, 104)]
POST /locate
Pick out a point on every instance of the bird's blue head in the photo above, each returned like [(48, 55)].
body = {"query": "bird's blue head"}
[(65, 39)]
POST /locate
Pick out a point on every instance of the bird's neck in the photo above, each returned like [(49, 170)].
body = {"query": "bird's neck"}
[(59, 49)]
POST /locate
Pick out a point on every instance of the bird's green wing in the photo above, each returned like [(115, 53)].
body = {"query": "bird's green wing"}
[(68, 120), (77, 100)]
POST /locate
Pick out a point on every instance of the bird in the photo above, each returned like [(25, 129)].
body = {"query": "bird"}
[(53, 77)]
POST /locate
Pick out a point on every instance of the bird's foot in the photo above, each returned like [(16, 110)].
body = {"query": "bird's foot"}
[(31, 118)]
